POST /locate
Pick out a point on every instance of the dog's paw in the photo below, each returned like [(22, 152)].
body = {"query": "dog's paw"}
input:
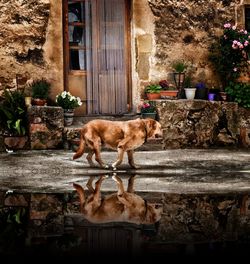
[(114, 177)]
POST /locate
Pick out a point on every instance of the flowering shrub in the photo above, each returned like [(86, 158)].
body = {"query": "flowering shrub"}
[(240, 93), (68, 101), (147, 107), (229, 54)]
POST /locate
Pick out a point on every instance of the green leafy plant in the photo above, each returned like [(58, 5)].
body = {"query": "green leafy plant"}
[(13, 113), (40, 89), (67, 101), (13, 222), (153, 88), (179, 66), (239, 92), (188, 81), (148, 107), (229, 53)]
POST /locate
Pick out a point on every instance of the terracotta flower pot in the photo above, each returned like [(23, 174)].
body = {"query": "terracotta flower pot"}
[(169, 93), (153, 96), (39, 102)]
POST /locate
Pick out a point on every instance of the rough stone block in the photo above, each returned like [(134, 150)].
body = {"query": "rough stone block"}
[(17, 200), (42, 205), (198, 123), (143, 66), (144, 43), (46, 125)]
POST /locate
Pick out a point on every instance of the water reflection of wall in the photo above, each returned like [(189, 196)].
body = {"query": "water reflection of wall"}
[(190, 224)]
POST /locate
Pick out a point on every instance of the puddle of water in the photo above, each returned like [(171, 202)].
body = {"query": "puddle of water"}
[(120, 214)]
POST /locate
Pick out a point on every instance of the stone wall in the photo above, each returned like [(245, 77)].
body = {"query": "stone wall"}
[(46, 125), (31, 44), (167, 30), (203, 124)]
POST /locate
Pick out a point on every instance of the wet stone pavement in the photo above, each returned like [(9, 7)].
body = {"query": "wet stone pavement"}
[(204, 196)]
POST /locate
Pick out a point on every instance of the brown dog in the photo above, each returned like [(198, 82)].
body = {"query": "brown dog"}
[(122, 206), (124, 136)]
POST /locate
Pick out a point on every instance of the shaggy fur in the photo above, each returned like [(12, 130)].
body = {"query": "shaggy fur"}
[(122, 206), (123, 136)]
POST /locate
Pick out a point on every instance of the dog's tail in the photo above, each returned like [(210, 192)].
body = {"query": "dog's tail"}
[(81, 147), (81, 194)]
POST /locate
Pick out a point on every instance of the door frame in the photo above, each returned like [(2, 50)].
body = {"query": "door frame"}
[(127, 48)]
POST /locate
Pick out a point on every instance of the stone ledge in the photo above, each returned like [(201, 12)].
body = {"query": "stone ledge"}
[(201, 123)]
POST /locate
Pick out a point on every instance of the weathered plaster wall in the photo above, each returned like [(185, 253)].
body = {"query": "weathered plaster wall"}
[(166, 30), (31, 42)]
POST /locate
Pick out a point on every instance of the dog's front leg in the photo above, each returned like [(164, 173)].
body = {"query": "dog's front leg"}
[(131, 162), (120, 151), (130, 188)]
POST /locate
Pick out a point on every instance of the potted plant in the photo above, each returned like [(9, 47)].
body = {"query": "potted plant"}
[(40, 92), (68, 102), (213, 93), (148, 109), (13, 120), (167, 90), (189, 88), (179, 68), (201, 91), (153, 91)]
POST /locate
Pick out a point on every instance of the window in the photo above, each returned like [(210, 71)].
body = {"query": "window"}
[(76, 19)]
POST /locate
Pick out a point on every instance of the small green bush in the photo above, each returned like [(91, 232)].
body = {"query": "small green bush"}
[(40, 89)]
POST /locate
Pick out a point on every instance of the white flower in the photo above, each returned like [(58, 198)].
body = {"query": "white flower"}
[(71, 98), (79, 101), (64, 94)]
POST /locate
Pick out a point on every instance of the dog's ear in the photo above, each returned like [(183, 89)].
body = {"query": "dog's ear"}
[(151, 123), (151, 126)]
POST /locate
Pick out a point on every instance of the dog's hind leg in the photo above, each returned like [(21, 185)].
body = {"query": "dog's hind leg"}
[(95, 149), (131, 162), (89, 184), (89, 158), (81, 194)]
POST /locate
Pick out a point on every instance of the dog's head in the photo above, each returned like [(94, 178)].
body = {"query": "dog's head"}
[(154, 128), (153, 213)]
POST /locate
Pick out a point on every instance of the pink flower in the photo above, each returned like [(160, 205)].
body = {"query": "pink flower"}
[(245, 32), (234, 46), (235, 69), (235, 42), (233, 27), (246, 43), (227, 25)]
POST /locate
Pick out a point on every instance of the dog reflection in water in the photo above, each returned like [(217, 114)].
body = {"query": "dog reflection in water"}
[(122, 206)]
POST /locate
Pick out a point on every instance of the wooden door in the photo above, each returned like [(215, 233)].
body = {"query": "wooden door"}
[(97, 52)]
